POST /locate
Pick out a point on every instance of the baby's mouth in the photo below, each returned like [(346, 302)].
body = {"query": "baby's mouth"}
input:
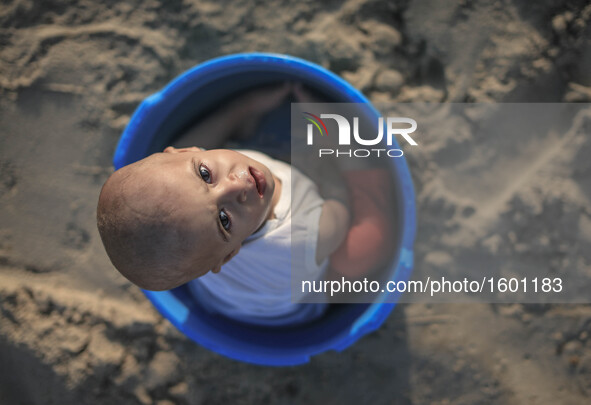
[(260, 181)]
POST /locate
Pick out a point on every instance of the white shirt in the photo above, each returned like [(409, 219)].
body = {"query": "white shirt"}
[(255, 286)]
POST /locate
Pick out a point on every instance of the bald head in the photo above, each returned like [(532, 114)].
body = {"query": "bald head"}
[(175, 216), (145, 238)]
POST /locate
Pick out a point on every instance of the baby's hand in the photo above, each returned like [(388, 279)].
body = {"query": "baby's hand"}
[(302, 95), (237, 118), (263, 99), (256, 103)]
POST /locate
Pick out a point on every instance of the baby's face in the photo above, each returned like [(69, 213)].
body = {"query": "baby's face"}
[(217, 198)]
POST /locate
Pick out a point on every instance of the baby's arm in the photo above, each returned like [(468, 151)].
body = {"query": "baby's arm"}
[(369, 242), (333, 228), (236, 118), (364, 236)]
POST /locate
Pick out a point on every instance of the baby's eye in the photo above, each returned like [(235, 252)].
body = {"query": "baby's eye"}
[(204, 173), (225, 220)]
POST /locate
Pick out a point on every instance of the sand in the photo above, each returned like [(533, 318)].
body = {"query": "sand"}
[(72, 331)]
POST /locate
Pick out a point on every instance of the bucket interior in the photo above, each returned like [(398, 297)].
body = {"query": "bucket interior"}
[(185, 100)]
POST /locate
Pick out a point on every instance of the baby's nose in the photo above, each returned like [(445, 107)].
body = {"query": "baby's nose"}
[(238, 184)]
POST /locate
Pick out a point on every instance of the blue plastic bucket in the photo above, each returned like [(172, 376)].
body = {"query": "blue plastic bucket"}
[(155, 122)]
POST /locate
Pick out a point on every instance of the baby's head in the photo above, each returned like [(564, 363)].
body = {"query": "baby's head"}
[(174, 216)]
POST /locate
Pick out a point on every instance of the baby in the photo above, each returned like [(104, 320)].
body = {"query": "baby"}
[(175, 216)]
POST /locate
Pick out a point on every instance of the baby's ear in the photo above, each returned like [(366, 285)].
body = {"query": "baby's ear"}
[(172, 149)]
